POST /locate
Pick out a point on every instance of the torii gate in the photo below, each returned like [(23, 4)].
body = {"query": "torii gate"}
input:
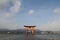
[(29, 28)]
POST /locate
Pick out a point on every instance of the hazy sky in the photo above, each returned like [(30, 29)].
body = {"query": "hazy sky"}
[(45, 14)]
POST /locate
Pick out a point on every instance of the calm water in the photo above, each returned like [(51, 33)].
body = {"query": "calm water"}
[(23, 37)]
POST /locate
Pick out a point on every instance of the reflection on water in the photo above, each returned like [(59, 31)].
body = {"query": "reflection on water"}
[(23, 37)]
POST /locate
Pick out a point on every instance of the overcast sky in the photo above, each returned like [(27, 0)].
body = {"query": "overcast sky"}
[(45, 14)]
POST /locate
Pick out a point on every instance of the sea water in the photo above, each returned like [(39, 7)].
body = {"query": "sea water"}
[(23, 37)]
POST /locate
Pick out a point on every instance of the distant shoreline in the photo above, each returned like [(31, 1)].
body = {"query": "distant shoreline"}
[(23, 31)]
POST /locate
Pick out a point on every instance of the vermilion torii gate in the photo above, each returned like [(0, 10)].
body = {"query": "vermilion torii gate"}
[(29, 28)]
